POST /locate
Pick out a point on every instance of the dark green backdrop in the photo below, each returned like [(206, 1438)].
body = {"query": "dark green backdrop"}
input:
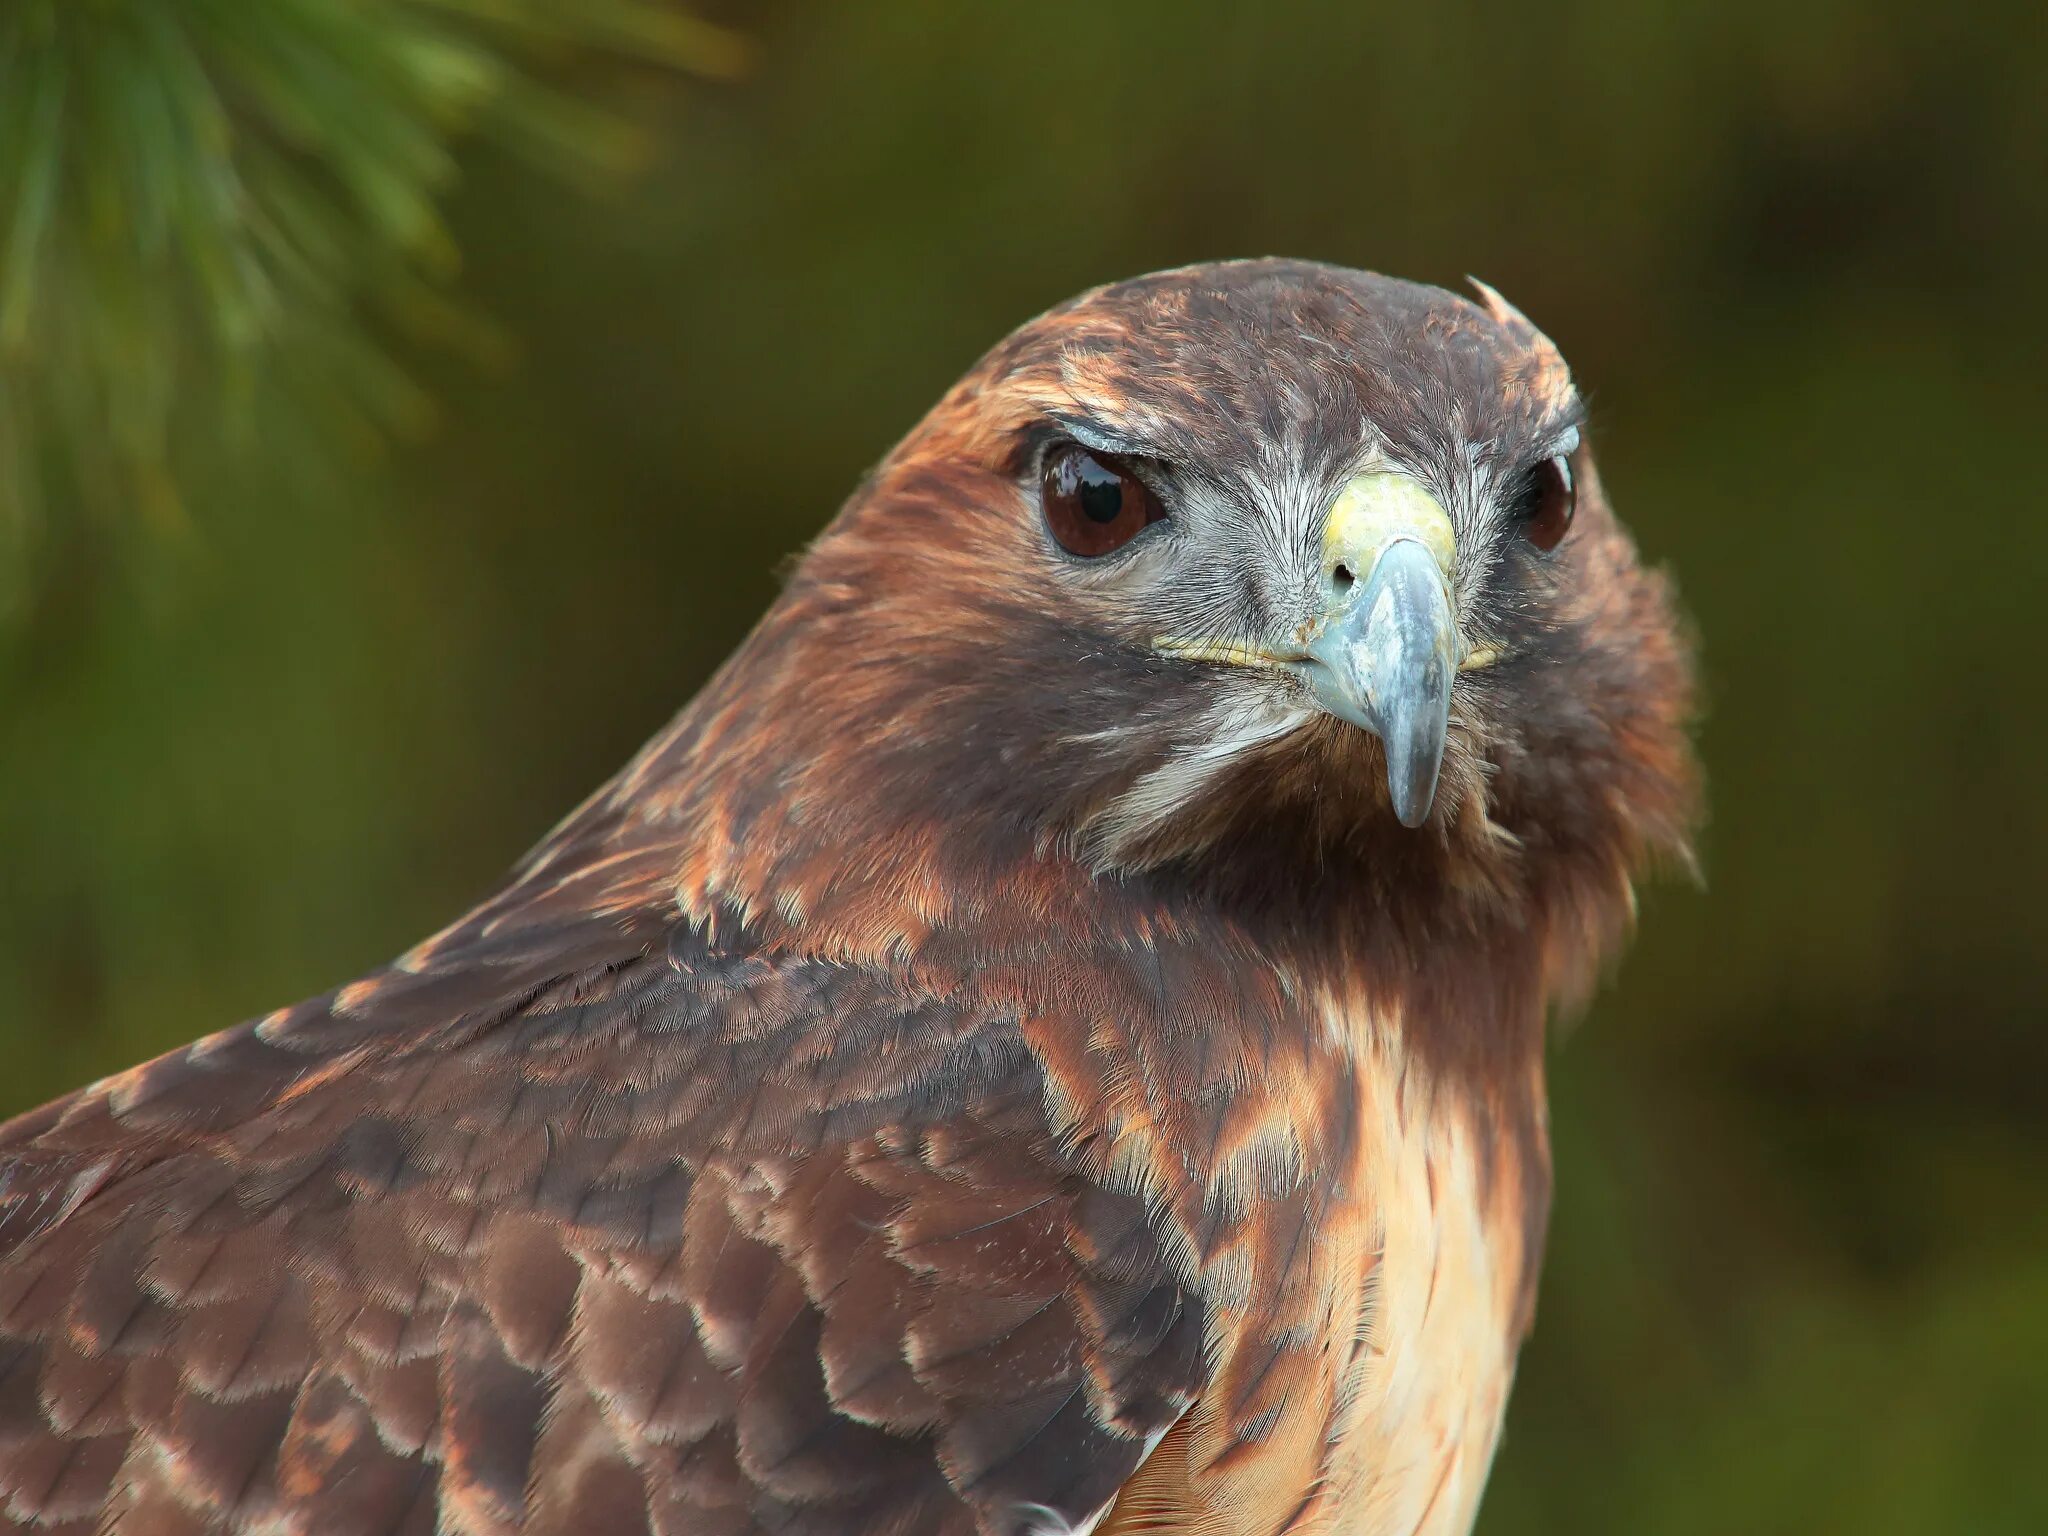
[(1799, 1279)]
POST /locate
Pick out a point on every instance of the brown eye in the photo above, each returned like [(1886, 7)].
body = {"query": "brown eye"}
[(1545, 501), (1093, 504)]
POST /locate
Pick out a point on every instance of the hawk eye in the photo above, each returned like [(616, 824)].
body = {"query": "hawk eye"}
[(1543, 503), (1094, 505)]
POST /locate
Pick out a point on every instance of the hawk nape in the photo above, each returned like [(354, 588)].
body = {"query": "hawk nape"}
[(1050, 1040)]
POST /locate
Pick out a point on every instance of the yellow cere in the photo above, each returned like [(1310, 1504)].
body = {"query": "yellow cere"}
[(1373, 510)]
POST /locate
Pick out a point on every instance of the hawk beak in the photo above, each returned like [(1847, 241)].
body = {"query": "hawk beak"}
[(1385, 649)]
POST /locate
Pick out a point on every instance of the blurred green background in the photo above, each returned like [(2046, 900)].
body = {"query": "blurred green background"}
[(301, 650)]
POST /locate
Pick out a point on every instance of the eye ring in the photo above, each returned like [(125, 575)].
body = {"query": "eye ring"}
[(1094, 503), (1545, 501)]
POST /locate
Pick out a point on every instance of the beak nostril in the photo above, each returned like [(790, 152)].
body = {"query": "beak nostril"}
[(1381, 658)]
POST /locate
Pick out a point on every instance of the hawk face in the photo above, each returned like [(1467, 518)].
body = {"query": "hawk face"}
[(1277, 560)]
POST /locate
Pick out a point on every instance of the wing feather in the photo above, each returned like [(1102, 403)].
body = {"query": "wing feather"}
[(690, 1240)]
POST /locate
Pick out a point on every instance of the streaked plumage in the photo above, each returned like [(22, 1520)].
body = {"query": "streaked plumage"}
[(977, 1069)]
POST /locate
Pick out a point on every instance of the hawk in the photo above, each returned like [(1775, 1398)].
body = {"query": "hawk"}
[(1049, 1041)]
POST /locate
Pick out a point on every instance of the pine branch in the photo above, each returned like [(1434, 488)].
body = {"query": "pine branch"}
[(200, 200)]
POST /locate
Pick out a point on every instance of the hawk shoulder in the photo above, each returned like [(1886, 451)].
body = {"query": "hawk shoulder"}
[(676, 1239)]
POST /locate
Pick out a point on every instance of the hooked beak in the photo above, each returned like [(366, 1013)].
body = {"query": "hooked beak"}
[(1385, 649)]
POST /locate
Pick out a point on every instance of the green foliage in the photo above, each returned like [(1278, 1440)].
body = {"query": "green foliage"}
[(207, 201)]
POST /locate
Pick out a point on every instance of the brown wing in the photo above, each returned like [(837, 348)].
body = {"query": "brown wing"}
[(568, 1226)]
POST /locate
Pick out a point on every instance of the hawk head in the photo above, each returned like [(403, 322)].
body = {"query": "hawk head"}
[(1245, 573)]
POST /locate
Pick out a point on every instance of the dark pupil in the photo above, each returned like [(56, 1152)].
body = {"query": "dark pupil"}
[(1102, 493)]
